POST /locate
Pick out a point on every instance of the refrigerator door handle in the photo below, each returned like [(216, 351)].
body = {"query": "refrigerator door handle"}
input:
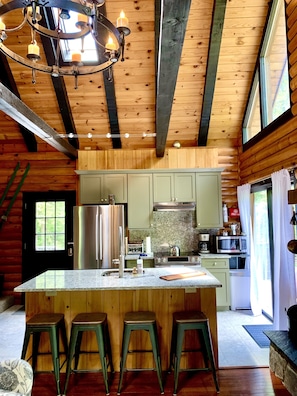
[(100, 237)]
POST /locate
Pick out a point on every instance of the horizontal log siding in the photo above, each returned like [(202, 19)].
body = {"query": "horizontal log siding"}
[(49, 170), (278, 150)]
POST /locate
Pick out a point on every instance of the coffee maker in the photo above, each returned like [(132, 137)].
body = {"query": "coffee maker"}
[(203, 243)]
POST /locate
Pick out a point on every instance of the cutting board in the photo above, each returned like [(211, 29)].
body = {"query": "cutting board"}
[(182, 276)]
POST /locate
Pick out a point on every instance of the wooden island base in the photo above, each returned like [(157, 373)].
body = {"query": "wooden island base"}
[(116, 303)]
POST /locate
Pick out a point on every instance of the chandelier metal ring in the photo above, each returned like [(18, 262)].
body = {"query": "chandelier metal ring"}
[(76, 68)]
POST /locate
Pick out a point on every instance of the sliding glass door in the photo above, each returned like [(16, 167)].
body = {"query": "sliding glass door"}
[(262, 232)]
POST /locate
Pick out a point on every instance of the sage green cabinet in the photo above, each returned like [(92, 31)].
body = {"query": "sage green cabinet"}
[(219, 268), (94, 189), (209, 213), (140, 200), (177, 187)]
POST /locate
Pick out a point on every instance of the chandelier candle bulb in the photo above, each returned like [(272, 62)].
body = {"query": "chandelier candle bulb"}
[(76, 57), (33, 49), (122, 20), (110, 46)]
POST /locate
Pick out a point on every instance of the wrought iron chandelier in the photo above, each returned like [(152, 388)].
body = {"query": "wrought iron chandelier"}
[(90, 21)]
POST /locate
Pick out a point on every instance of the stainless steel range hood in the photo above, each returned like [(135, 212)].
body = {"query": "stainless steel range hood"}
[(173, 206)]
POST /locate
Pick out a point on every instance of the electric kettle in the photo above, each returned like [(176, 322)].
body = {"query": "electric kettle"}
[(174, 251)]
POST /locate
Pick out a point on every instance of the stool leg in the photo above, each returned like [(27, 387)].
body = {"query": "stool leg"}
[(203, 346), (79, 335), (101, 348), (35, 346), (154, 340), (125, 346), (71, 351), (177, 357), (25, 343), (108, 347), (54, 340), (209, 348), (172, 347)]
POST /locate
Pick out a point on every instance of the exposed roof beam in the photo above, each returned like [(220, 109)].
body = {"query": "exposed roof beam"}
[(11, 105), (111, 101), (58, 82), (211, 71), (8, 80), (171, 22)]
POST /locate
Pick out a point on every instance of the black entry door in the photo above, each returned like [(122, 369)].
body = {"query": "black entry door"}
[(47, 232)]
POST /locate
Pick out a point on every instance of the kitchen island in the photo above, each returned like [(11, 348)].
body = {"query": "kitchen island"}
[(72, 292)]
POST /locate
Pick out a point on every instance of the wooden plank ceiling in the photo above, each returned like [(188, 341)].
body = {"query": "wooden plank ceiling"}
[(186, 77)]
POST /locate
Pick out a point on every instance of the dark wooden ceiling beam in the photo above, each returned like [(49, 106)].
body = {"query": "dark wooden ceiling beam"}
[(58, 82), (7, 79), (170, 26), (109, 86), (211, 71), (11, 105)]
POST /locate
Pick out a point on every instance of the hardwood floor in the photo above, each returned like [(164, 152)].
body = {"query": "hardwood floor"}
[(239, 382)]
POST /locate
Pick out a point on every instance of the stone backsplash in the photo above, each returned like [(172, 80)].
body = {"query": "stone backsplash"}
[(171, 228)]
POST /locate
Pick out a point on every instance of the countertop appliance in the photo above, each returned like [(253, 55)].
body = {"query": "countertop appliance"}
[(97, 235), (165, 260), (203, 243), (231, 244)]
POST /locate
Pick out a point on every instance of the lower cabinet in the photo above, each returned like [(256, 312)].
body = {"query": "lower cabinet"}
[(220, 269)]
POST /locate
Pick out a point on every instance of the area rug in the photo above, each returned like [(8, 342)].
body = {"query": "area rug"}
[(256, 332)]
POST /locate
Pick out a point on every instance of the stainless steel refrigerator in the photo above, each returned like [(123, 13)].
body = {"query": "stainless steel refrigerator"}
[(98, 235)]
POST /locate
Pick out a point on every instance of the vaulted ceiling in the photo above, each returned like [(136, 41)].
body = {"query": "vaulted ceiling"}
[(186, 77)]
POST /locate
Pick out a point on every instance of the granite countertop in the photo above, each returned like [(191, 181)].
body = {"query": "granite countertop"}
[(92, 279)]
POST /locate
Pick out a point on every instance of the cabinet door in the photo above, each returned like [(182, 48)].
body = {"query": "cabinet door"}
[(222, 293), (115, 184), (184, 187), (90, 189), (163, 187), (209, 200), (140, 200), (220, 269)]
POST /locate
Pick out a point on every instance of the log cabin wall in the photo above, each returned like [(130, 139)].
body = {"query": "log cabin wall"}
[(49, 170), (278, 150)]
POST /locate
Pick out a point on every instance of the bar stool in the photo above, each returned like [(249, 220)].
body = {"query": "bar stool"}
[(97, 322), (191, 320), (51, 323), (133, 321)]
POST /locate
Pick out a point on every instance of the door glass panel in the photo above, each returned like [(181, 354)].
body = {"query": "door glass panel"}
[(262, 250), (50, 226)]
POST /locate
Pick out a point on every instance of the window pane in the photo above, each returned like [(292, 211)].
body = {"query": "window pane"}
[(40, 242), (40, 209), (50, 209), (60, 209), (276, 69), (60, 242), (40, 226), (254, 123)]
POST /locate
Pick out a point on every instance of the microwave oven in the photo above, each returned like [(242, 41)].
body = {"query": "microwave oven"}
[(231, 244)]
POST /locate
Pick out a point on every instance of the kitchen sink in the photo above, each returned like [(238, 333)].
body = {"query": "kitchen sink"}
[(128, 272)]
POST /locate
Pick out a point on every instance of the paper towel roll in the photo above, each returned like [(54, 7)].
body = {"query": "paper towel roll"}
[(148, 245)]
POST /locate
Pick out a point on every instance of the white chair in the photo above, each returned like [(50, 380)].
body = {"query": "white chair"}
[(16, 378)]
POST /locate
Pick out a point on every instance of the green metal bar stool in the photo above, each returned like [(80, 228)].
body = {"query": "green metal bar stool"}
[(134, 321), (191, 320), (97, 322), (51, 323)]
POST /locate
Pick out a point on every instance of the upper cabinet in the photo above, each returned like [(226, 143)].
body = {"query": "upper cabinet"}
[(209, 212), (174, 187), (140, 200), (94, 189)]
